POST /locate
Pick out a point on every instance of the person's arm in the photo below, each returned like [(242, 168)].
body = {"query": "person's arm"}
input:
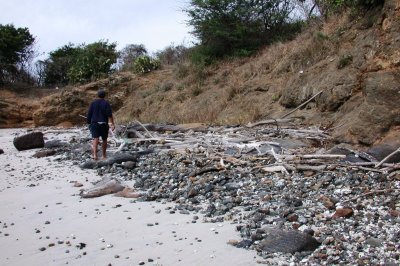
[(89, 114), (111, 122), (110, 116)]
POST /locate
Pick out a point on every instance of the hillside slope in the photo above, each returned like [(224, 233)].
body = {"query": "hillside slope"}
[(353, 62)]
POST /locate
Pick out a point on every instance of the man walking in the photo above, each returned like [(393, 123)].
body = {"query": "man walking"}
[(100, 119)]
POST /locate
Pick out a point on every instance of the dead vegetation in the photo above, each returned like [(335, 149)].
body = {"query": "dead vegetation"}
[(342, 58)]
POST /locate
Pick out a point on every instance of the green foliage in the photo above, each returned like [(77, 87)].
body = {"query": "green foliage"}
[(276, 97), (93, 61), (16, 49), (78, 64), (57, 66), (128, 55), (344, 61), (327, 7), (144, 64), (229, 27)]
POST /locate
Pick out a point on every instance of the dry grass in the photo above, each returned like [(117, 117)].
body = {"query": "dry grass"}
[(221, 93)]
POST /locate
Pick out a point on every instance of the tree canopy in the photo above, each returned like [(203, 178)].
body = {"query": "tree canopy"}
[(79, 63), (237, 26), (16, 48), (129, 54)]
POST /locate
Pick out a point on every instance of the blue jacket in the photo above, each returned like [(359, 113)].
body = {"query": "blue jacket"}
[(99, 111)]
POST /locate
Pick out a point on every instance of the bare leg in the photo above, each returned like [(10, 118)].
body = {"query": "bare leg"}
[(94, 148), (104, 148)]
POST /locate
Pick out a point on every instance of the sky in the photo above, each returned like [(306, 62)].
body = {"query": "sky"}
[(54, 23)]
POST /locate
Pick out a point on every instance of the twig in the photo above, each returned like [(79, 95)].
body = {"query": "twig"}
[(269, 121), (387, 158), (303, 167), (301, 105), (148, 132), (205, 170), (277, 158), (275, 168), (314, 156)]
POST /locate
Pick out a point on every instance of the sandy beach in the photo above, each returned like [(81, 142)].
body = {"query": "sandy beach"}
[(44, 221)]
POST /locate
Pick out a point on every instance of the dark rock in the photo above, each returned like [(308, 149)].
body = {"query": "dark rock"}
[(293, 217), (116, 158), (29, 141), (51, 144), (1, 151), (193, 192), (244, 243), (44, 153), (382, 150), (288, 242), (104, 187), (256, 237)]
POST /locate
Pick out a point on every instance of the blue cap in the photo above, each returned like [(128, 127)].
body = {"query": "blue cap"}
[(101, 93)]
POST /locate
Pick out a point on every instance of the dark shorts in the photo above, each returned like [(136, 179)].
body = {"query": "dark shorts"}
[(99, 130)]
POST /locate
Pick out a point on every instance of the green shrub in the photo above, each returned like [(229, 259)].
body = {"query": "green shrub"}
[(344, 61), (144, 64), (276, 97)]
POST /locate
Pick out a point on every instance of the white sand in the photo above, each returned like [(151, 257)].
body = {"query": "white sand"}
[(40, 207)]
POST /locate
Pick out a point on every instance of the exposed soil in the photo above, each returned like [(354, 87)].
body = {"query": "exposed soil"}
[(354, 61)]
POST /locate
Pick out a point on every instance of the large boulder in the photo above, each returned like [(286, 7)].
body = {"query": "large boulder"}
[(29, 141), (379, 111), (382, 150)]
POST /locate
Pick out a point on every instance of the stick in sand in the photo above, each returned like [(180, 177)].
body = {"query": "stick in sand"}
[(301, 105)]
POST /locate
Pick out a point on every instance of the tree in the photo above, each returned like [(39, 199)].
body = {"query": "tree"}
[(79, 63), (93, 61), (172, 54), (237, 26), (129, 54), (16, 50), (57, 66)]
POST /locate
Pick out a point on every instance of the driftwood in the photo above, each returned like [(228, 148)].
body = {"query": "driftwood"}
[(303, 167), (275, 168), (301, 105), (206, 170), (228, 145), (387, 158), (312, 156), (269, 121)]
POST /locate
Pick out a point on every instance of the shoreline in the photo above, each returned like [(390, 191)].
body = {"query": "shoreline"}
[(42, 210)]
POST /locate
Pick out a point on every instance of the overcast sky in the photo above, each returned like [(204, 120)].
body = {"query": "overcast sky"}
[(54, 23)]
